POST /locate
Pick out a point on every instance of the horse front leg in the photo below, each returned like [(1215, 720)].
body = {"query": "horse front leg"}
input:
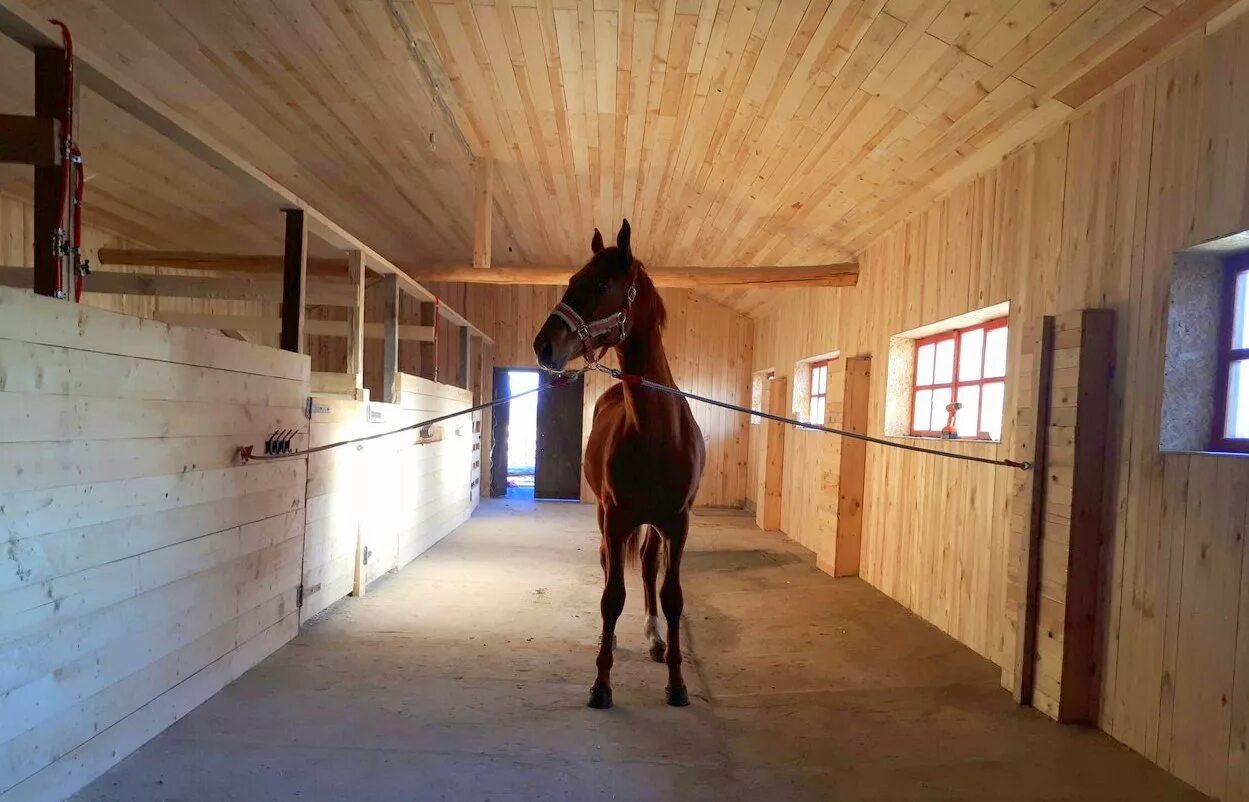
[(650, 570), (673, 601), (611, 606)]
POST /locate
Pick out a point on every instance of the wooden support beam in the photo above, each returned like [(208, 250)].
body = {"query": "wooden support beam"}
[(355, 317), (841, 274), (1028, 504), (484, 212), (270, 325), (427, 352), (325, 292), (294, 281), (832, 275), (466, 344), (390, 340), (54, 268), (772, 462), (30, 140)]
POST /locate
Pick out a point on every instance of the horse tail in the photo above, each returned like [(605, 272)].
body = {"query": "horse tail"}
[(633, 545)]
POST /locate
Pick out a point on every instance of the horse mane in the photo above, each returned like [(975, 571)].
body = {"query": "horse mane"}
[(646, 289)]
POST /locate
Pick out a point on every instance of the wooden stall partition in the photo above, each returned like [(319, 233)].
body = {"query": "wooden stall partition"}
[(333, 542), (145, 567), (439, 490), (842, 467)]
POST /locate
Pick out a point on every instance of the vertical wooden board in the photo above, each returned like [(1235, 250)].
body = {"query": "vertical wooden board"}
[(1080, 686), (1213, 552), (851, 481), (1028, 506), (355, 318), (294, 282), (768, 515)]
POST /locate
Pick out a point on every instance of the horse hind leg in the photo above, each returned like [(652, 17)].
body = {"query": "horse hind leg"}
[(673, 601), (650, 570)]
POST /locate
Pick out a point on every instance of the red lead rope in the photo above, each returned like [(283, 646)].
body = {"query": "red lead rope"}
[(71, 196)]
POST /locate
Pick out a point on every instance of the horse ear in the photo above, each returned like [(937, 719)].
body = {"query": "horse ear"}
[(596, 244), (622, 239)]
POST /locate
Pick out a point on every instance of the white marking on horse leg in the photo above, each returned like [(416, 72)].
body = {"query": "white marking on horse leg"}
[(652, 629)]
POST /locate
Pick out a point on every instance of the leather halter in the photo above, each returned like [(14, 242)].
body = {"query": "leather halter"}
[(588, 331)]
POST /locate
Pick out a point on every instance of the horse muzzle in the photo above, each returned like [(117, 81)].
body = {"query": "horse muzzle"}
[(555, 345)]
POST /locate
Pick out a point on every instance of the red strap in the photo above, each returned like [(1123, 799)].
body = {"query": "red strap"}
[(437, 308)]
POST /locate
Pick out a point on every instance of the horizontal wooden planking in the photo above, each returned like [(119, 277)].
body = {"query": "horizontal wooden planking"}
[(41, 418), (29, 513), (30, 466), (54, 370), (39, 559), (28, 318), (85, 673), (63, 732), (46, 604), (75, 768)]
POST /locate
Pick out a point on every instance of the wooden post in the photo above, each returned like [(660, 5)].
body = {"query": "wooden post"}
[(1078, 683), (855, 412), (1028, 505), (425, 351), (355, 318), (466, 358), (390, 338), (294, 281), (28, 140), (484, 212), (771, 466), (54, 266)]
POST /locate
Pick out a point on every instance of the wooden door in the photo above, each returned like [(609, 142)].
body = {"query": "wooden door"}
[(499, 418), (557, 472)]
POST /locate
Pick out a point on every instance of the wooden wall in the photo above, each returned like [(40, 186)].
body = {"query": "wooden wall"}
[(1087, 217), (400, 496), (708, 347), (145, 568)]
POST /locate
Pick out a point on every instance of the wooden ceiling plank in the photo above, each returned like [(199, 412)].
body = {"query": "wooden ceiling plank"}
[(26, 27)]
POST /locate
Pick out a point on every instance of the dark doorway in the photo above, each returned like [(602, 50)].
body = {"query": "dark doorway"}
[(558, 456), (536, 449)]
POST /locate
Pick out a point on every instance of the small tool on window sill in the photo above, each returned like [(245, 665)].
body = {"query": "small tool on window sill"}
[(949, 431)]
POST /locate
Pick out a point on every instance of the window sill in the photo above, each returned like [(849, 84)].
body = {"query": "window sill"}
[(1216, 454), (919, 439)]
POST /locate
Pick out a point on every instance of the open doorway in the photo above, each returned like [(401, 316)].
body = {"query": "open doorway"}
[(522, 433), (536, 451)]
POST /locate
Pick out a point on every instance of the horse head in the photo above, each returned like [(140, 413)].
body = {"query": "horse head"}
[(594, 312)]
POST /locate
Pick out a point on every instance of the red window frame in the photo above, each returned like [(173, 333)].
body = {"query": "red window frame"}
[(1233, 267), (813, 395), (954, 384)]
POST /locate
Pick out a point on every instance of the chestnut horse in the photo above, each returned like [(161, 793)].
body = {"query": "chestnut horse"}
[(645, 455)]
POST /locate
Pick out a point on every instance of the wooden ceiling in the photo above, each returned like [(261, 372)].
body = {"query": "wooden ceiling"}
[(731, 132)]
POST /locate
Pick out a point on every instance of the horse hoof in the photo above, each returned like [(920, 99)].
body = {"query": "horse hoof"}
[(658, 651), (600, 698), (678, 696)]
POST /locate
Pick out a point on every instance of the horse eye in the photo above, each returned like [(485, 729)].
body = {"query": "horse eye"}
[(602, 288)]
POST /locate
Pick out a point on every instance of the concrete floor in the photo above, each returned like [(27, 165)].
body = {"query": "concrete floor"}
[(465, 677)]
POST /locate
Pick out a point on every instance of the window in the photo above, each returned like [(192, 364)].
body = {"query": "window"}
[(1231, 414), (758, 383), (965, 366), (816, 403)]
